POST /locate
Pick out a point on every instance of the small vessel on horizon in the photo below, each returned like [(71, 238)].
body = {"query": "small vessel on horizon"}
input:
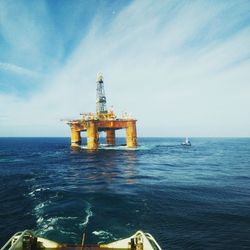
[(186, 142), (28, 240)]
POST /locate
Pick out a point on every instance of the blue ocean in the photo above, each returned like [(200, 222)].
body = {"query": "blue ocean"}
[(194, 197)]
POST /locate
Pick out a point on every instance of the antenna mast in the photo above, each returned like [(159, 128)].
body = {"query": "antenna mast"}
[(100, 96)]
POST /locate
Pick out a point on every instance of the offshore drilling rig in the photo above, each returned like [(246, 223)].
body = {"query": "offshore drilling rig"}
[(102, 120)]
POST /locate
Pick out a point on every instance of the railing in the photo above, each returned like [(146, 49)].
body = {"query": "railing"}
[(152, 240), (16, 241)]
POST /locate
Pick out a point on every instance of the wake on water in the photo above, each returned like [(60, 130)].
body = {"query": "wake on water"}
[(50, 221), (57, 223), (117, 147)]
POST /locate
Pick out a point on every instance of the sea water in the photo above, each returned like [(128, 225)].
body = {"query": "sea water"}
[(194, 197)]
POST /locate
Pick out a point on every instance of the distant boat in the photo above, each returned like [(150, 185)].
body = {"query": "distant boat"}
[(186, 142)]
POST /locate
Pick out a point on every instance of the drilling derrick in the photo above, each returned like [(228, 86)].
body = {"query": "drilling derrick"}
[(103, 121), (100, 96)]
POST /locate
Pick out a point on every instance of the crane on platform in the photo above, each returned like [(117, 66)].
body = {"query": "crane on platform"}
[(100, 95), (101, 108)]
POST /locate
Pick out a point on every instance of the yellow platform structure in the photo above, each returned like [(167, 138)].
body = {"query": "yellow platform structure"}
[(102, 120), (94, 126)]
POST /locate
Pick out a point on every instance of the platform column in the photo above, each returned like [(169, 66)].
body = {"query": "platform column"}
[(131, 137), (75, 137), (110, 137), (92, 135)]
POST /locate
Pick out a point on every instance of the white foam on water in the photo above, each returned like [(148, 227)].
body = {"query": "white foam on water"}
[(18, 160), (53, 223), (46, 224), (39, 208), (43, 230), (125, 148), (54, 220), (33, 192), (104, 235), (89, 214), (39, 220), (30, 180), (101, 232), (68, 233)]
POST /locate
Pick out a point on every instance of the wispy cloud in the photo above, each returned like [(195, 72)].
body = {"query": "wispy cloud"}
[(18, 70), (179, 67)]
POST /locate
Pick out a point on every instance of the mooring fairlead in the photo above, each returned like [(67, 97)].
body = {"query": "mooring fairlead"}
[(102, 120)]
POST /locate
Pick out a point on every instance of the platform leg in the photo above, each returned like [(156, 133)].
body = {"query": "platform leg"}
[(75, 138), (110, 137), (131, 137), (92, 136)]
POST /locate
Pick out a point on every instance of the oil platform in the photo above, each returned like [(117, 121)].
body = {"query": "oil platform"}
[(102, 120)]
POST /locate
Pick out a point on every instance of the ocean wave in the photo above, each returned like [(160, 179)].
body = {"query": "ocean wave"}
[(125, 148), (40, 220), (30, 180), (54, 220), (33, 192), (44, 230), (104, 235), (44, 225), (89, 214), (41, 206), (68, 233), (63, 225)]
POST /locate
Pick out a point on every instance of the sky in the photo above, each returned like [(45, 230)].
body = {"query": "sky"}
[(181, 68)]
